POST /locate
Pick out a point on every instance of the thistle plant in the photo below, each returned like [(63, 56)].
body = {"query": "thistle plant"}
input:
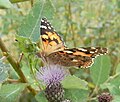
[(105, 97), (52, 75)]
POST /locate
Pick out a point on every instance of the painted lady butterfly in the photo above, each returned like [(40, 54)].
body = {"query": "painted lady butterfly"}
[(54, 50)]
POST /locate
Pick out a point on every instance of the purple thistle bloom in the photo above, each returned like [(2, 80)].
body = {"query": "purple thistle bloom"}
[(52, 74)]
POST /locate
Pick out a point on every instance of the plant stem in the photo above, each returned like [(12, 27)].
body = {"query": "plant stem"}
[(15, 65), (12, 62), (71, 24), (31, 68), (32, 2)]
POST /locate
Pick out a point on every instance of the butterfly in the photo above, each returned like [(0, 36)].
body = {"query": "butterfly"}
[(54, 50)]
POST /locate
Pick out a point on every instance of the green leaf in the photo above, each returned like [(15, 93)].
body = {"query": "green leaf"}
[(5, 4), (118, 69), (99, 72), (41, 97), (113, 89), (116, 98), (73, 82), (11, 92), (30, 28), (77, 95), (115, 83), (27, 97), (3, 71)]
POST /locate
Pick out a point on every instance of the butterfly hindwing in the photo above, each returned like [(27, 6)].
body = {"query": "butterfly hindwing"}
[(79, 57)]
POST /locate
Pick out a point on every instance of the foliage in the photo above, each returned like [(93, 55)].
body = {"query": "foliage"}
[(102, 68), (80, 23), (11, 92), (29, 29), (5, 4), (3, 71)]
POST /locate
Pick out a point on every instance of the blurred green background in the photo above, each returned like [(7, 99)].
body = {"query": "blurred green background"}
[(81, 23)]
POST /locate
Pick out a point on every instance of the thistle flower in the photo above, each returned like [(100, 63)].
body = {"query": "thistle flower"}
[(52, 75), (105, 97)]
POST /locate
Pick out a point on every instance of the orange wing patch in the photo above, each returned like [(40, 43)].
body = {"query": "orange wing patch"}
[(53, 36), (82, 54)]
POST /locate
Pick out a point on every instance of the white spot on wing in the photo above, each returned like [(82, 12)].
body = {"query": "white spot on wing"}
[(68, 51), (82, 49), (92, 52), (42, 20), (96, 50), (75, 60), (43, 27), (49, 27)]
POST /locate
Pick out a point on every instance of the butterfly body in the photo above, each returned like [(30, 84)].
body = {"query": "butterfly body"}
[(54, 50)]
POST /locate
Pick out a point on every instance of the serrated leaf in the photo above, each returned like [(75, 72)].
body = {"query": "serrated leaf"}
[(41, 97), (31, 25), (3, 71), (11, 92), (76, 95), (5, 4), (73, 82), (100, 71)]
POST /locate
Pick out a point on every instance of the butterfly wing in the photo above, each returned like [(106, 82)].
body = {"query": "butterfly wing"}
[(90, 51), (51, 41), (79, 57), (55, 52)]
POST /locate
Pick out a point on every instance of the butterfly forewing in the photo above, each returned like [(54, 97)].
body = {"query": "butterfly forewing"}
[(51, 41)]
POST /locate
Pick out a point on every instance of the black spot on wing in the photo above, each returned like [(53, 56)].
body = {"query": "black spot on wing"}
[(55, 40), (43, 39), (61, 51), (72, 50), (49, 40)]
